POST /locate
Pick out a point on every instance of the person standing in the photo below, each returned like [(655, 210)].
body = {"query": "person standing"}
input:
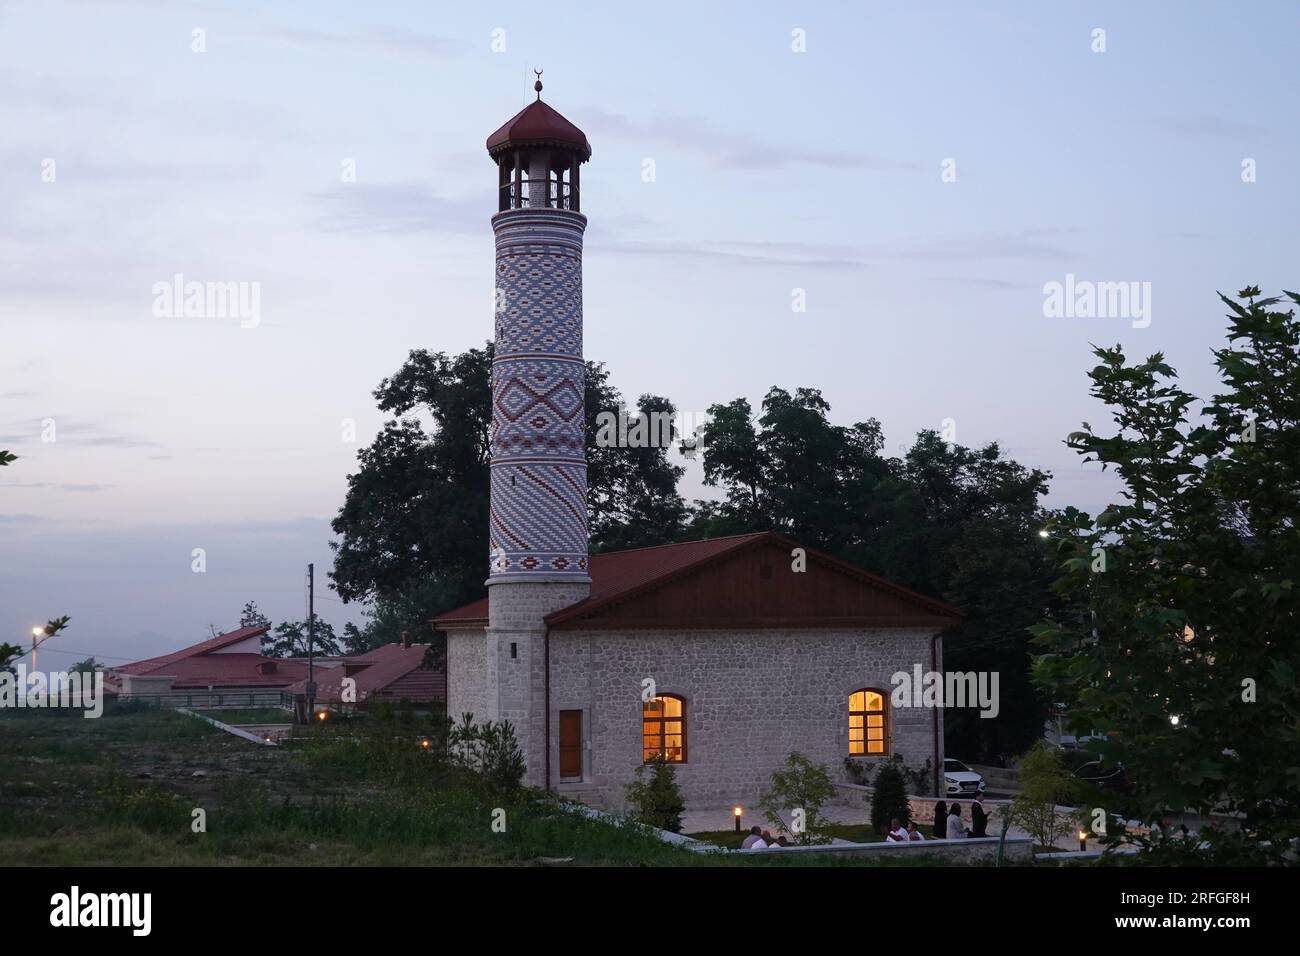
[(979, 820), (940, 820), (956, 829)]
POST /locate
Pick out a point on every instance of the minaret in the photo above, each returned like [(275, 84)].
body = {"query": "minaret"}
[(538, 519)]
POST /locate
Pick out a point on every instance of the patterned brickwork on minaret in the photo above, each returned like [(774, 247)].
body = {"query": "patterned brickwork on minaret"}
[(538, 465)]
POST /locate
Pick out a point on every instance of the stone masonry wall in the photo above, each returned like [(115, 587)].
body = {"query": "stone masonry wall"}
[(465, 672), (514, 661), (752, 697)]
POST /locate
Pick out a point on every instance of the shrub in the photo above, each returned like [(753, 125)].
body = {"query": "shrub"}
[(890, 797), (1044, 783), (657, 801), (491, 750), (801, 787)]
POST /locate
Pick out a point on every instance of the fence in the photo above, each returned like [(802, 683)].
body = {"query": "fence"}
[(214, 700)]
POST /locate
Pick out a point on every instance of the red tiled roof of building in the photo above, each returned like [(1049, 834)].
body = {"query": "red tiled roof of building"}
[(615, 573), (209, 664), (152, 664), (390, 672)]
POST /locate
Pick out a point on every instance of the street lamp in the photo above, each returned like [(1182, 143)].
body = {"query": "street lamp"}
[(736, 813), (37, 632), (1083, 841)]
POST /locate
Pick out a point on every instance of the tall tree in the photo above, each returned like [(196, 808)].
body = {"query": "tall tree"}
[(291, 638), (946, 520), (1176, 634), (413, 529), (251, 616)]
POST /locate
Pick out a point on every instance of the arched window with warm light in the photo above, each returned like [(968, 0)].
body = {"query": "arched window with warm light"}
[(663, 728), (868, 735)]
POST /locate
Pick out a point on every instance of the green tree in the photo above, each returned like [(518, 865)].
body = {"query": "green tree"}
[(1044, 783), (955, 522), (1175, 635), (655, 797), (798, 790), (413, 528), (11, 652), (250, 616), (290, 639), (889, 798), (88, 666)]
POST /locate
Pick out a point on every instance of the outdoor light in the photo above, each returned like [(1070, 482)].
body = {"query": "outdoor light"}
[(322, 715), (1174, 720), (425, 743), (1043, 533), (1083, 841), (736, 813), (37, 631)]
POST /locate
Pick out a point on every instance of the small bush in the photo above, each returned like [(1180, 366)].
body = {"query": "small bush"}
[(802, 787), (657, 801), (889, 800), (490, 750)]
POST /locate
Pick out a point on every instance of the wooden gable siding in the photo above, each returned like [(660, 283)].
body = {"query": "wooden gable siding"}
[(756, 587)]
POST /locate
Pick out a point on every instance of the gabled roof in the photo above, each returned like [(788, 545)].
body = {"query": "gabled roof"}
[(209, 664), (682, 584), (206, 647), (390, 671)]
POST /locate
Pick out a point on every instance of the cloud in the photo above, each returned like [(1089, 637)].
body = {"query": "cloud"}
[(1033, 244), (726, 149), (398, 209), (72, 431), (370, 39), (58, 485)]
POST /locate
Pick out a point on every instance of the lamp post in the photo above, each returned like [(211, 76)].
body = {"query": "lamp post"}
[(736, 813), (1083, 841), (37, 632)]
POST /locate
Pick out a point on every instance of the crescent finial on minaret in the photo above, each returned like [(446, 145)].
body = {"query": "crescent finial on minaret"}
[(538, 85)]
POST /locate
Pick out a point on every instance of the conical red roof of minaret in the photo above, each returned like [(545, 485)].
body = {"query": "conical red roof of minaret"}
[(539, 125)]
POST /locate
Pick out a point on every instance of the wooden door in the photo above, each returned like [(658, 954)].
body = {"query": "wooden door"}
[(570, 745)]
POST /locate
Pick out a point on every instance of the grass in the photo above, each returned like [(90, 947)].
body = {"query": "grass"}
[(124, 790)]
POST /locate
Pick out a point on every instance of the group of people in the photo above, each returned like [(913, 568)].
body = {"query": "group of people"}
[(760, 839), (948, 824), (901, 834)]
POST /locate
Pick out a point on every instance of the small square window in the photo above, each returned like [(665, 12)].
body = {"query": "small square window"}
[(514, 650)]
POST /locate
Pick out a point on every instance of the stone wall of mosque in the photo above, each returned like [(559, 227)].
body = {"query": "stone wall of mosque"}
[(751, 698)]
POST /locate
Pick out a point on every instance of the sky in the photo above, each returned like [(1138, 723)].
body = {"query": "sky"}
[(913, 174)]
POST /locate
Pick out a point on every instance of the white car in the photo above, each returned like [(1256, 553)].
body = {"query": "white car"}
[(961, 779)]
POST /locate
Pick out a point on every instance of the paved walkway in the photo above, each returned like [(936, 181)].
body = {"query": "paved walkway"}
[(721, 818)]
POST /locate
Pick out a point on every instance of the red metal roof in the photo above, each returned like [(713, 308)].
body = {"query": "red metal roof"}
[(539, 125), (390, 671), (616, 572), (205, 665), (616, 575), (206, 647)]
